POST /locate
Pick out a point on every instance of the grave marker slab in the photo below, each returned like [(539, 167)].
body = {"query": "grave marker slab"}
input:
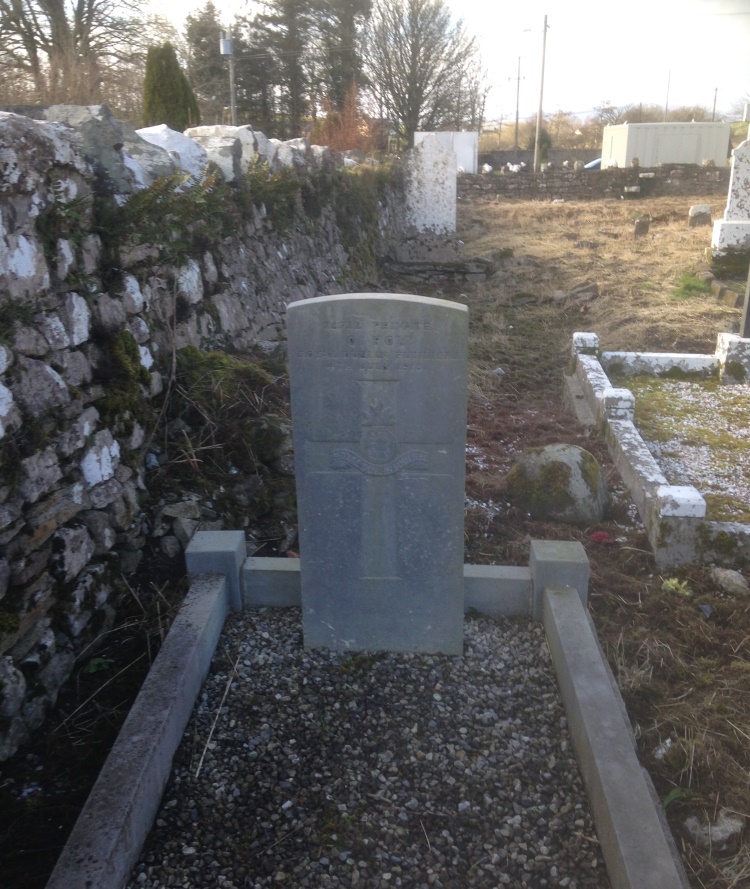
[(733, 231), (379, 419)]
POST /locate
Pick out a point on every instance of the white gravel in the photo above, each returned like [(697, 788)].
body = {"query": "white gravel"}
[(707, 438), (375, 770)]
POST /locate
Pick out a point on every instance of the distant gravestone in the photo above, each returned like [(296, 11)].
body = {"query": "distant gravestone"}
[(379, 417), (699, 214), (733, 231), (430, 192)]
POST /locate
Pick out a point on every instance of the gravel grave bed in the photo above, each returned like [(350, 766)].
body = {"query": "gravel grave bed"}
[(703, 436), (317, 768)]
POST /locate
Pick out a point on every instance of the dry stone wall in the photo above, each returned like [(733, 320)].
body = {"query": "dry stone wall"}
[(587, 185), (88, 330)]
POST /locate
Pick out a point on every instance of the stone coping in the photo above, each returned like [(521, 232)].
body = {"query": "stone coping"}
[(108, 837), (674, 515), (110, 831)]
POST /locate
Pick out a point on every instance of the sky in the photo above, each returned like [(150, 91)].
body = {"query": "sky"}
[(660, 52)]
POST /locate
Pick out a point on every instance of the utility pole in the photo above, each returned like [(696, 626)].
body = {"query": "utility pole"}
[(541, 99), (713, 111), (666, 104), (518, 97), (225, 45)]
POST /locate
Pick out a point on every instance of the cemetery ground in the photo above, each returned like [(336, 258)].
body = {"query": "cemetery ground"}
[(678, 644)]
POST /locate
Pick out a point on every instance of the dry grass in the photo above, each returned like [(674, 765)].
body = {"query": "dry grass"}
[(682, 659), (557, 246)]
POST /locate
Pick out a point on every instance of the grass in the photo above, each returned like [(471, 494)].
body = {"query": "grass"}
[(678, 644), (689, 285)]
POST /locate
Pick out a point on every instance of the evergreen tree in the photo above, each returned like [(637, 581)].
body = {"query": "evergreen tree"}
[(207, 70), (167, 96), (257, 78), (289, 26), (340, 61)]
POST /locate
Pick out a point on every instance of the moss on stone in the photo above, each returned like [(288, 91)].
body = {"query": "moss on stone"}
[(735, 371), (9, 624), (591, 473), (550, 491)]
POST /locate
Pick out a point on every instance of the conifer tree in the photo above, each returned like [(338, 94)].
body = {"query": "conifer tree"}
[(167, 96)]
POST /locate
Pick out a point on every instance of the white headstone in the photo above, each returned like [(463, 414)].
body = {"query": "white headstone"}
[(430, 173), (379, 416), (734, 229)]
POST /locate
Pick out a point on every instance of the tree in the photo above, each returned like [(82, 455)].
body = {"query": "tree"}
[(288, 26), (207, 71), (417, 62), (167, 96), (63, 51), (339, 60), (256, 83), (545, 140)]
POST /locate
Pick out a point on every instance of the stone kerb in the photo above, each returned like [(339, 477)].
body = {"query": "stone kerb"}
[(733, 231), (378, 386), (674, 515)]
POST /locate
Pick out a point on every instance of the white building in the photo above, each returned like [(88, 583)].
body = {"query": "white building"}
[(665, 143), (465, 145)]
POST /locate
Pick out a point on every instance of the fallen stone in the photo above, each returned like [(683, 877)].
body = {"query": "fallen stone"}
[(730, 581), (559, 482), (723, 835)]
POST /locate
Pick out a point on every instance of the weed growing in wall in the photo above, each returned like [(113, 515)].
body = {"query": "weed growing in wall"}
[(66, 217), (182, 218), (278, 192)]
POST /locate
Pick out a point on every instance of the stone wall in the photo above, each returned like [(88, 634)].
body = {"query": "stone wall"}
[(101, 281), (574, 185)]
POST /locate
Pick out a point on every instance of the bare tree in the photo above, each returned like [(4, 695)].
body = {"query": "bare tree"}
[(419, 64), (64, 50)]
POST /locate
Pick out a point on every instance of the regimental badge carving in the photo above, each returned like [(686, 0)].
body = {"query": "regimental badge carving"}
[(377, 413)]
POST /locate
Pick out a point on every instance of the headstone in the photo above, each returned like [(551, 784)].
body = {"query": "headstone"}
[(430, 186), (641, 226), (699, 214), (733, 231), (379, 418)]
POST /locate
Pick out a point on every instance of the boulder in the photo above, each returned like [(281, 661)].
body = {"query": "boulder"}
[(561, 483), (223, 147), (100, 138), (730, 581), (184, 153)]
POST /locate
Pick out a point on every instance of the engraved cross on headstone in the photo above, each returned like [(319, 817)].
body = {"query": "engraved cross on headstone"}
[(379, 459)]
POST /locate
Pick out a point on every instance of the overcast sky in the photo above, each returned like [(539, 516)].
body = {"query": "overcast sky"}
[(630, 52), (634, 51)]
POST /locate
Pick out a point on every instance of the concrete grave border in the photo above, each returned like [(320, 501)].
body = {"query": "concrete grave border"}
[(674, 515), (636, 844)]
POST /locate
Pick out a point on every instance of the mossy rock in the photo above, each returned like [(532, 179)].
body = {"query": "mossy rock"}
[(559, 483)]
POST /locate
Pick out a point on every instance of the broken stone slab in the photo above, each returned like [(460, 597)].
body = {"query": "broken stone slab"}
[(462, 270), (585, 291)]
